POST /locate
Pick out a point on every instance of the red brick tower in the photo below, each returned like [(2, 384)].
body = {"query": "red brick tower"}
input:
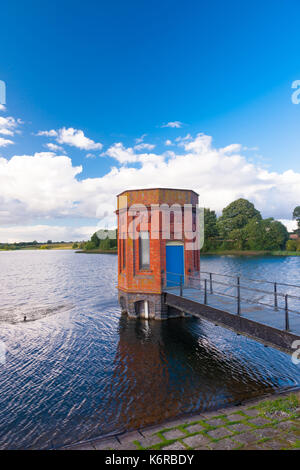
[(155, 248)]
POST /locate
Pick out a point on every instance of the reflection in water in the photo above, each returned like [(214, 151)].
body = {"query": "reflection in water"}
[(88, 371), (171, 368)]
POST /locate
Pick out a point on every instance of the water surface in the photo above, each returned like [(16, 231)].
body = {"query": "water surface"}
[(78, 369)]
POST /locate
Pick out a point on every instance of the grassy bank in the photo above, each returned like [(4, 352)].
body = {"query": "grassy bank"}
[(99, 252), (53, 246)]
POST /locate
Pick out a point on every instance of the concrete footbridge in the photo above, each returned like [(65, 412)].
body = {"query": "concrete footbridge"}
[(160, 275), (266, 311)]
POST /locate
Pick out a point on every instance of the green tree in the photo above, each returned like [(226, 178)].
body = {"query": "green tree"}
[(291, 245), (210, 230), (296, 216), (236, 216), (238, 239), (267, 234), (90, 246), (75, 246), (95, 240)]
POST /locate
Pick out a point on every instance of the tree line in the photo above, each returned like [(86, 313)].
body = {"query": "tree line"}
[(241, 227)]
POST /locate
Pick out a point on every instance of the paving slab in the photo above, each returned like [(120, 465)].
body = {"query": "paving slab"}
[(247, 437), (241, 427), (197, 441), (174, 434), (129, 437), (260, 421), (106, 444), (215, 422), (195, 428), (219, 433), (235, 418), (224, 444), (149, 441), (176, 446)]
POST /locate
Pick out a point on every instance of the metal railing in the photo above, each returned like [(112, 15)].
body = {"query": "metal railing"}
[(206, 283)]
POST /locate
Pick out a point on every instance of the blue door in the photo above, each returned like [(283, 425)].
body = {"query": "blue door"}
[(175, 264)]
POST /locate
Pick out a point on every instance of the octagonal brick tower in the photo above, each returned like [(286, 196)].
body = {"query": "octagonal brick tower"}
[(149, 256)]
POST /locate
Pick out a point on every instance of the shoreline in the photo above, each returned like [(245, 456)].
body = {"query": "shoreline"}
[(250, 253), (206, 253), (98, 252), (211, 253), (221, 429)]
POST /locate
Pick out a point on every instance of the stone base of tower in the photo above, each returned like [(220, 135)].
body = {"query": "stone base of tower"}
[(147, 306)]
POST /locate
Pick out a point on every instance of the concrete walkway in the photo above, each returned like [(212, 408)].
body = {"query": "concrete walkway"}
[(265, 315), (272, 424)]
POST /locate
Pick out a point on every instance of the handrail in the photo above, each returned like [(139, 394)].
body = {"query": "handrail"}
[(238, 286), (254, 280)]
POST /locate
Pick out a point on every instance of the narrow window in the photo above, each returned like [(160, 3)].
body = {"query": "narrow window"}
[(144, 250), (124, 253)]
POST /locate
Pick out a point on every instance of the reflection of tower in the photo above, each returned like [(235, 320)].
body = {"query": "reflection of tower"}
[(157, 244), (162, 370)]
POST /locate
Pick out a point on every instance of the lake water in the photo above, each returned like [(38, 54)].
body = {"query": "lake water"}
[(78, 369)]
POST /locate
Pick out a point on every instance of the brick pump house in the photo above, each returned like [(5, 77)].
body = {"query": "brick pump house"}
[(152, 254)]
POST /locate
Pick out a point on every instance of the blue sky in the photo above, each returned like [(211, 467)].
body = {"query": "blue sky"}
[(119, 70)]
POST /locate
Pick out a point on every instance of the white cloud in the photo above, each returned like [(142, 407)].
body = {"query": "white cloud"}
[(47, 186), (232, 148), (144, 146), (168, 142), (8, 125), (5, 142), (72, 137), (90, 155), (52, 133), (173, 124), (76, 138), (291, 225), (55, 148), (140, 139), (2, 107)]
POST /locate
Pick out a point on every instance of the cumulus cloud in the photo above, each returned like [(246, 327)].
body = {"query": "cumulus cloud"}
[(54, 147), (51, 133), (144, 146), (8, 125), (140, 139), (47, 186), (5, 142), (72, 137), (76, 138), (2, 107), (173, 124)]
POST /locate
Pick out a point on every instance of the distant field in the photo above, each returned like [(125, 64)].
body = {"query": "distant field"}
[(53, 246)]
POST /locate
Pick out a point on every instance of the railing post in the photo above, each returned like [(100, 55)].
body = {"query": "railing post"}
[(181, 287), (238, 296), (287, 323), (275, 296), (211, 283), (205, 291)]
